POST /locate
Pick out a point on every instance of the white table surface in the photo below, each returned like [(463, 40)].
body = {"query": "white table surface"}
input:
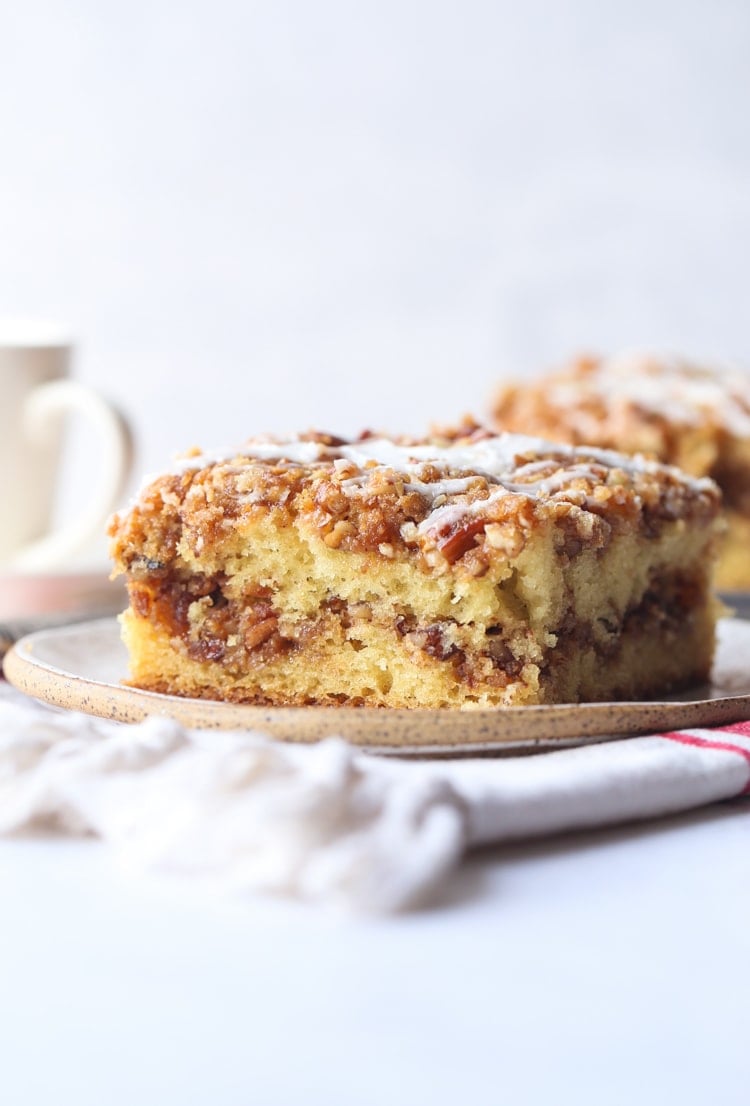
[(601, 968)]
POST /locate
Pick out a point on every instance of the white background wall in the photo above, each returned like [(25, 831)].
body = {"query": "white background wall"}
[(271, 215)]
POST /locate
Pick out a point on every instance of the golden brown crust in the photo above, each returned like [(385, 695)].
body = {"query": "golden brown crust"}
[(442, 510)]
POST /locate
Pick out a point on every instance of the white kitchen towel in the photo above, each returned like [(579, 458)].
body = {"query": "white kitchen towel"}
[(327, 822)]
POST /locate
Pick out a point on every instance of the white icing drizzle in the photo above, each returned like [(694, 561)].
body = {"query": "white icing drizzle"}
[(670, 387), (499, 460), (452, 514), (557, 485), (258, 449), (495, 458), (430, 489)]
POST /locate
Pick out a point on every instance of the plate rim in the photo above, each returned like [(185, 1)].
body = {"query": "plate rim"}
[(430, 732)]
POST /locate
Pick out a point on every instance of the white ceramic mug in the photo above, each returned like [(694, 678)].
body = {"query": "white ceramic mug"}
[(35, 396)]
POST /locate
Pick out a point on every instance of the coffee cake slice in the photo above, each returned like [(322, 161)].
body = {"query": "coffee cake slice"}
[(482, 571), (693, 416)]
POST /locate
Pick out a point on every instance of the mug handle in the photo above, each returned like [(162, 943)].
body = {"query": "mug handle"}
[(44, 410)]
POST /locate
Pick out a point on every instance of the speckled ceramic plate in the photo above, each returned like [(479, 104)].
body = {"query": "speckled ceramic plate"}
[(81, 667)]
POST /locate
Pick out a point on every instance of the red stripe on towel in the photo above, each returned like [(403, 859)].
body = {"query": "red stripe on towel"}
[(742, 728), (709, 743)]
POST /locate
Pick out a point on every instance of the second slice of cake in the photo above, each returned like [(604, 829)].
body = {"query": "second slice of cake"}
[(690, 415), (475, 571)]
